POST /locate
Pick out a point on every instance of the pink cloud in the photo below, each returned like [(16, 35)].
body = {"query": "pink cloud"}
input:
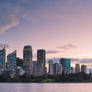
[(13, 22)]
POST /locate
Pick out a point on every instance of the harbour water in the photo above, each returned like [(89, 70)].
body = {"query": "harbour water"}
[(46, 87)]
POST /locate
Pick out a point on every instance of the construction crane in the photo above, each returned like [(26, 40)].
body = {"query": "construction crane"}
[(3, 46)]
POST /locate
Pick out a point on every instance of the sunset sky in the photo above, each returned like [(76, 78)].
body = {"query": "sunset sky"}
[(62, 27)]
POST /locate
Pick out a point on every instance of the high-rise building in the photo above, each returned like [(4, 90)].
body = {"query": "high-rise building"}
[(19, 62), (84, 68), (77, 68), (57, 69), (11, 61), (34, 73), (66, 65), (27, 62), (41, 57), (51, 67), (37, 69), (72, 70), (3, 58)]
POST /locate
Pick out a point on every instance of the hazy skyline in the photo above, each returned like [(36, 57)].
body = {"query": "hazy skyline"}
[(62, 27)]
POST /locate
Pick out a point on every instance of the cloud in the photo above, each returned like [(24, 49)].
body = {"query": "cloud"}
[(13, 22), (56, 11), (53, 51), (85, 60), (61, 49), (11, 13), (67, 47), (8, 17)]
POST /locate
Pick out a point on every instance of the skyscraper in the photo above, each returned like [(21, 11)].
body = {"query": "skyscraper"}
[(66, 65), (41, 57), (11, 61), (83, 68), (34, 72), (3, 58), (27, 56), (37, 69), (57, 69), (77, 68), (51, 67)]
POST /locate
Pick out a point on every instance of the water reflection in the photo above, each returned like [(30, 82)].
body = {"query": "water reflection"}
[(46, 87)]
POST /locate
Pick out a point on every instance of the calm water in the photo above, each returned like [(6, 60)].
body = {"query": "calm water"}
[(37, 87)]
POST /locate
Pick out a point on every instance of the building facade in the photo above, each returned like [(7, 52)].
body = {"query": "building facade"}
[(11, 61), (27, 59), (57, 69), (37, 69), (72, 70), (66, 65), (77, 68), (19, 62), (84, 68), (51, 67), (3, 58), (41, 58)]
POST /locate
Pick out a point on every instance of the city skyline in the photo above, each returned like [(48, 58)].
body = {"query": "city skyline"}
[(61, 27), (28, 48), (40, 67)]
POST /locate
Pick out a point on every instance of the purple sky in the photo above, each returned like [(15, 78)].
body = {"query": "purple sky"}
[(62, 27)]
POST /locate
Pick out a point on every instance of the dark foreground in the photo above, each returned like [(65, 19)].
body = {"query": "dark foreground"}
[(71, 78)]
